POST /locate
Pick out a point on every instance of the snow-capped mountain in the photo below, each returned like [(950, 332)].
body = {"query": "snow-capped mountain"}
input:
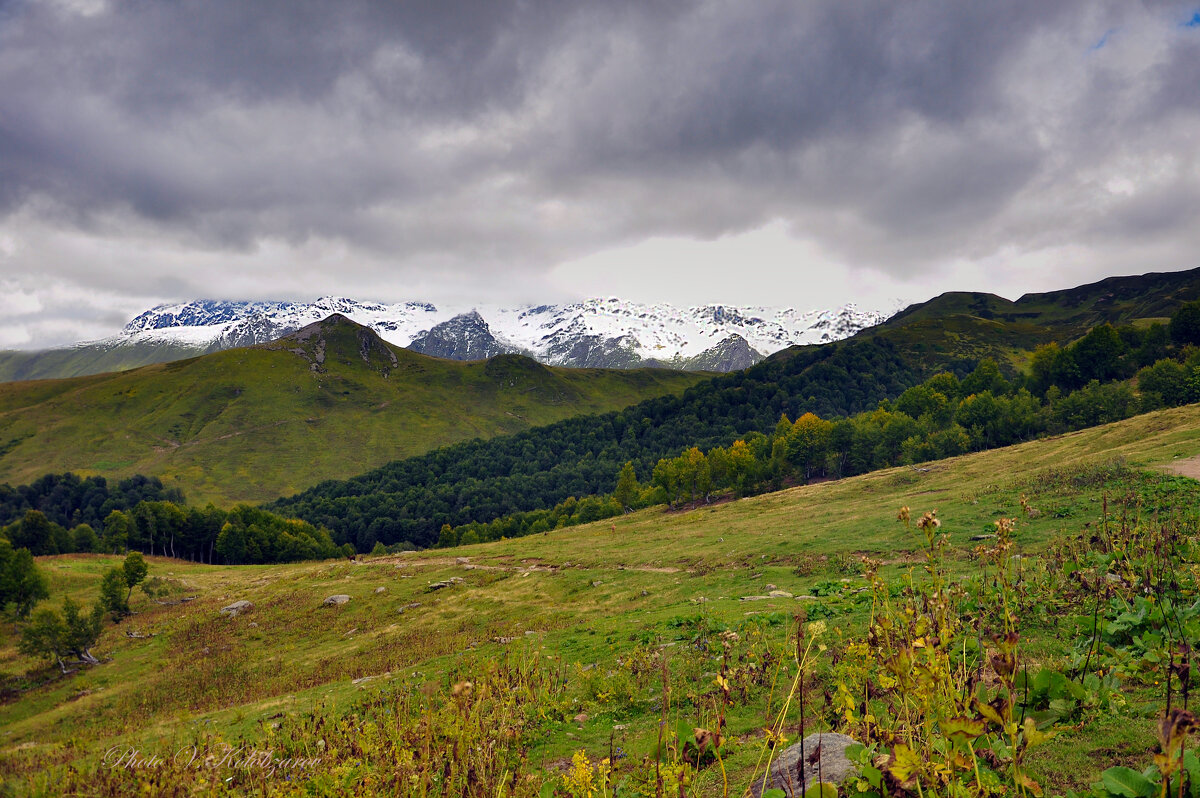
[(594, 333)]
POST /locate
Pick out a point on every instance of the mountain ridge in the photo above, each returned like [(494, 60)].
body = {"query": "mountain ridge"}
[(595, 333)]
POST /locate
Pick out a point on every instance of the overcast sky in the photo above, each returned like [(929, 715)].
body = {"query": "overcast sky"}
[(753, 152)]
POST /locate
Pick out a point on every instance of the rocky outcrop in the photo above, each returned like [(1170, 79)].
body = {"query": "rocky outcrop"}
[(237, 608), (336, 601), (818, 758)]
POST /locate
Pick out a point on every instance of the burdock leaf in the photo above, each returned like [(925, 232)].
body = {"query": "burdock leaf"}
[(1127, 782)]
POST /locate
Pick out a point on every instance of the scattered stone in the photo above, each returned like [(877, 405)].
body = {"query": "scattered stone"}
[(237, 608), (252, 623), (336, 601), (409, 606), (582, 717), (530, 632), (779, 594), (620, 727), (379, 590), (645, 593), (806, 598), (770, 587), (755, 598), (454, 580), (699, 600), (755, 576), (597, 583), (974, 538), (461, 560), (469, 567), (824, 753)]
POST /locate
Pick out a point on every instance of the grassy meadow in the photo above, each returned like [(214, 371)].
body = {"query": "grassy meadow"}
[(593, 638)]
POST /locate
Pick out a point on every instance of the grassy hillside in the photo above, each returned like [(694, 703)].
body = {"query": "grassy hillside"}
[(542, 467), (975, 325), (580, 620), (79, 361), (252, 424)]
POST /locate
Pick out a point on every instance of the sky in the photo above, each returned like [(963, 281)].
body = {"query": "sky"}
[(774, 152)]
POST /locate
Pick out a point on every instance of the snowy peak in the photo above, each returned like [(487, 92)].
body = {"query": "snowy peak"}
[(464, 337), (603, 332)]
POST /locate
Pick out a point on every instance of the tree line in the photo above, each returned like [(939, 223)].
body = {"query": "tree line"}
[(411, 500), (941, 417), (209, 534)]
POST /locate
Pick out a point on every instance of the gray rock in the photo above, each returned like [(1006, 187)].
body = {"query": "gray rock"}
[(779, 594), (236, 608), (334, 601), (826, 752), (379, 590)]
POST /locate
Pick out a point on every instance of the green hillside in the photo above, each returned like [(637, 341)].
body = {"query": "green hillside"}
[(977, 325), (566, 637), (328, 401), (87, 359), (478, 482)]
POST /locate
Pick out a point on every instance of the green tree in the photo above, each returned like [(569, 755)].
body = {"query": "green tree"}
[(113, 596), (1167, 380), (1185, 324), (117, 527), (1098, 354), (22, 584), (33, 532), (45, 636), (134, 570), (627, 491), (57, 637), (85, 539), (808, 442)]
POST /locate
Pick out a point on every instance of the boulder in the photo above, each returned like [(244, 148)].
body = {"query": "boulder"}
[(379, 590), (825, 761), (335, 601), (236, 608), (779, 594)]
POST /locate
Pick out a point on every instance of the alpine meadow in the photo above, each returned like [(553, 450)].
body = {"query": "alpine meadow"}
[(527, 399)]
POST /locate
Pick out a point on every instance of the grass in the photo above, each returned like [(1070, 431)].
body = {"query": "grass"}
[(598, 605), (254, 424)]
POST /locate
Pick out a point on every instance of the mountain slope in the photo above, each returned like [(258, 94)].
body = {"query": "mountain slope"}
[(593, 600), (329, 400), (479, 481), (608, 333)]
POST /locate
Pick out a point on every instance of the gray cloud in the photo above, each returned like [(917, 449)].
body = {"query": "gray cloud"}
[(283, 148)]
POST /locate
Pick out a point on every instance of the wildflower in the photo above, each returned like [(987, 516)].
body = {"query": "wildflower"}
[(903, 514), (816, 628)]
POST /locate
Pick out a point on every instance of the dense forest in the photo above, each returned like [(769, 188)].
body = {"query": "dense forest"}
[(70, 500), (65, 513), (888, 415), (942, 417), (410, 500)]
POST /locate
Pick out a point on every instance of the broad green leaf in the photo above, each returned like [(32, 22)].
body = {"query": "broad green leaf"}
[(1127, 782), (774, 793), (821, 790)]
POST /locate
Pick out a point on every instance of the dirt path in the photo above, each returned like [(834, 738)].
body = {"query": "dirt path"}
[(1188, 468)]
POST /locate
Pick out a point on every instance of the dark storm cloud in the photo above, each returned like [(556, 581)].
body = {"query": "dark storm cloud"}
[(512, 133)]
